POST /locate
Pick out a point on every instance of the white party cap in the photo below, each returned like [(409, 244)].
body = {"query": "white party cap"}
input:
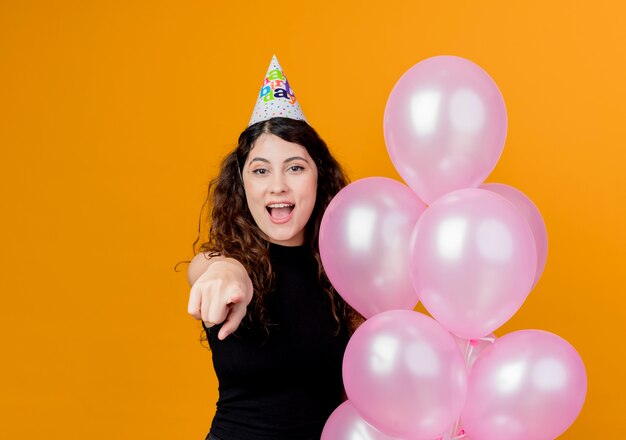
[(276, 98)]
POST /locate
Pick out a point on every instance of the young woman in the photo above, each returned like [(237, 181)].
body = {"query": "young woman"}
[(276, 327)]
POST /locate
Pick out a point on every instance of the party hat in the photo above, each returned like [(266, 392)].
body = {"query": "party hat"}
[(276, 98)]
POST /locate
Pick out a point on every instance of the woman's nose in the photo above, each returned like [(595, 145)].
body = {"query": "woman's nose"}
[(278, 183)]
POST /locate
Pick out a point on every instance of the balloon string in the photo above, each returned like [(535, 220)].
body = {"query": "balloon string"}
[(469, 350), (457, 433), (460, 435)]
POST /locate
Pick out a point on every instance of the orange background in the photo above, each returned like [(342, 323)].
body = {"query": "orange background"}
[(114, 115)]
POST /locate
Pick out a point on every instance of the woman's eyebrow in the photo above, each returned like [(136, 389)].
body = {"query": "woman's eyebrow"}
[(289, 159), (259, 159)]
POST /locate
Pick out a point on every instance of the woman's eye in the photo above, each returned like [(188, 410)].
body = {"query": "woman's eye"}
[(261, 171), (296, 168)]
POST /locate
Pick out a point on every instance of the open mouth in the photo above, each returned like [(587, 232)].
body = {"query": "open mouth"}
[(280, 211)]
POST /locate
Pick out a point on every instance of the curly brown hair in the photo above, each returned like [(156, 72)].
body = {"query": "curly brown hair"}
[(234, 233)]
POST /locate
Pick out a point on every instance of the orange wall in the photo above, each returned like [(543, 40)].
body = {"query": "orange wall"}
[(114, 116)]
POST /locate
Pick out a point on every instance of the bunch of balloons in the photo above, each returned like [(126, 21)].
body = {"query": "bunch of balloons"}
[(470, 252)]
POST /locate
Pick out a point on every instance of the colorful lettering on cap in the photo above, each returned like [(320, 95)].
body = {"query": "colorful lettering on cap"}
[(276, 98)]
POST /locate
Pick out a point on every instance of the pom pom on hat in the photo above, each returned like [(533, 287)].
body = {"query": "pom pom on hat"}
[(276, 98)]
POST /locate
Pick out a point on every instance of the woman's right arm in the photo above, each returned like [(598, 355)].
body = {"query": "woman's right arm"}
[(220, 292)]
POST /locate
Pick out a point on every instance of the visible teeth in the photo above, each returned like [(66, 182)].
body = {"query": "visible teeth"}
[(279, 205)]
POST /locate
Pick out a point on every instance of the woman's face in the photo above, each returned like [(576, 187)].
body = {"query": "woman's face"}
[(280, 181)]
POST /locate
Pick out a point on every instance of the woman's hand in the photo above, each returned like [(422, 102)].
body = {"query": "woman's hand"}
[(221, 293)]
